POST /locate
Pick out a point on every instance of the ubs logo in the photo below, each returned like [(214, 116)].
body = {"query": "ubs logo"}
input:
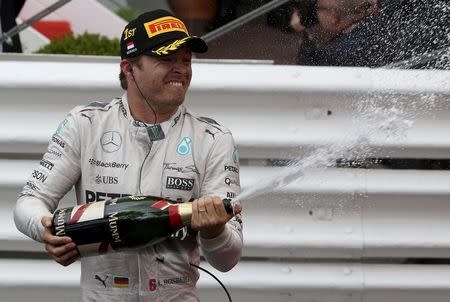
[(107, 180), (111, 141)]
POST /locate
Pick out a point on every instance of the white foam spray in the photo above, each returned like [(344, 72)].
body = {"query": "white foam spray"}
[(376, 120)]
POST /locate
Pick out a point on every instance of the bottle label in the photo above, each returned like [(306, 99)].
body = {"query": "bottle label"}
[(86, 212), (93, 249)]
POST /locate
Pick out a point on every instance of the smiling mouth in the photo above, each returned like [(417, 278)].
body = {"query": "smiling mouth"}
[(175, 83)]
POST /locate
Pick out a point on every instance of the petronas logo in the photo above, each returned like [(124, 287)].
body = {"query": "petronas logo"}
[(184, 146)]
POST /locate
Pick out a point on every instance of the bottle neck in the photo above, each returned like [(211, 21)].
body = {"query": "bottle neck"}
[(185, 210)]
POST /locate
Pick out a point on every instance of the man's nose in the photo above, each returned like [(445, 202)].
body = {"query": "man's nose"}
[(181, 66)]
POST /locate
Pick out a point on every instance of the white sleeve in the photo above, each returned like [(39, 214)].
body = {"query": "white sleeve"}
[(55, 175), (222, 179)]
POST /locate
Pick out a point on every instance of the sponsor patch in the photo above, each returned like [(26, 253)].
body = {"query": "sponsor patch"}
[(211, 133), (112, 164), (58, 141), (187, 169), (231, 195), (47, 164), (164, 25), (230, 181), (178, 183), (232, 169), (184, 146), (107, 180), (103, 281), (33, 186), (38, 175), (54, 152), (111, 141), (235, 156), (92, 196), (61, 126)]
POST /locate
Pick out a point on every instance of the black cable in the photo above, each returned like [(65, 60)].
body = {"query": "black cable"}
[(217, 279), (146, 101)]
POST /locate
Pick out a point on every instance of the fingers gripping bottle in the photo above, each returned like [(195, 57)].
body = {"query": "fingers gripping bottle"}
[(128, 222)]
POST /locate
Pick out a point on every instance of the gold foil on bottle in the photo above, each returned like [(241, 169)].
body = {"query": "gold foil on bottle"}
[(185, 211)]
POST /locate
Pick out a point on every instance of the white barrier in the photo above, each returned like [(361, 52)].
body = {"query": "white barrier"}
[(338, 234)]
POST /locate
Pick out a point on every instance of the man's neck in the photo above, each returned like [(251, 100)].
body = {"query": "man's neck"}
[(141, 111)]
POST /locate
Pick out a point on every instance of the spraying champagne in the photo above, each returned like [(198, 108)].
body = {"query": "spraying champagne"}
[(126, 222)]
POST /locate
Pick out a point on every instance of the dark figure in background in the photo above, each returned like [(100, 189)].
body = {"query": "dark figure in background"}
[(9, 10), (319, 22), (226, 12), (404, 29)]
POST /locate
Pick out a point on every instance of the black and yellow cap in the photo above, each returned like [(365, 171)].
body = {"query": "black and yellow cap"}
[(157, 33)]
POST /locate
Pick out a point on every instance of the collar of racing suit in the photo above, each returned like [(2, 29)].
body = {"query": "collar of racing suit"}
[(138, 129)]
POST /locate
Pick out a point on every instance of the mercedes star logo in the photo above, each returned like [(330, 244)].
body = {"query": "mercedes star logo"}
[(111, 141)]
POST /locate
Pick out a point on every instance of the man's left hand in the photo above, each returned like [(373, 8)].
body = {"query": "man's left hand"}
[(209, 216)]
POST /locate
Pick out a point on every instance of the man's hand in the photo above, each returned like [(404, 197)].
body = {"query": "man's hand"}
[(209, 216), (62, 249)]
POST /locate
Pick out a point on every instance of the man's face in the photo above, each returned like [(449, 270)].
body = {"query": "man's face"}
[(164, 81)]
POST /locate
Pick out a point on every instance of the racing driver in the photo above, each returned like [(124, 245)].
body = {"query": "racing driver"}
[(143, 143)]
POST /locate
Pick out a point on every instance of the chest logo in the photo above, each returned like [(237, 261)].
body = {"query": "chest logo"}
[(184, 146), (111, 141)]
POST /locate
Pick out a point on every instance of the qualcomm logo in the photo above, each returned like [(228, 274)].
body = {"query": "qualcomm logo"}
[(184, 146), (111, 141)]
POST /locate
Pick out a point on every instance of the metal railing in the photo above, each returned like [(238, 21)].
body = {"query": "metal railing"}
[(7, 37)]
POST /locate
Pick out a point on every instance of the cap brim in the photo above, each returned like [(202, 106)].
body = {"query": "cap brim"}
[(194, 43)]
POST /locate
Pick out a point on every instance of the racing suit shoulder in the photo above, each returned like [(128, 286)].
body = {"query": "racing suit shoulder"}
[(207, 123), (98, 106)]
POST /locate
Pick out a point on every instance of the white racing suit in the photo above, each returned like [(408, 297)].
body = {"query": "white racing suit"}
[(101, 150)]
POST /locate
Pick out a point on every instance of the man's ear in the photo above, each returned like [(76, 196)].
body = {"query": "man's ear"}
[(126, 67)]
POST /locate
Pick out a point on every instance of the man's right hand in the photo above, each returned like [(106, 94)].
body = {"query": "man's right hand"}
[(62, 249)]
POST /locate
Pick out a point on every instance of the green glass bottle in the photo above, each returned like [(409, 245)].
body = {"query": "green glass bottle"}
[(128, 222)]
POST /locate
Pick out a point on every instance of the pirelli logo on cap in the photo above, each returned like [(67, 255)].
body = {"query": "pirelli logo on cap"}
[(164, 25)]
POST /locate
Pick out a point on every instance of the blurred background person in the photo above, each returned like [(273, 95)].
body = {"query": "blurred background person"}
[(9, 10), (396, 30), (321, 21)]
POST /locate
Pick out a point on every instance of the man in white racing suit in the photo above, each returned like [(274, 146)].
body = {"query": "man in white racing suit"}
[(144, 143)]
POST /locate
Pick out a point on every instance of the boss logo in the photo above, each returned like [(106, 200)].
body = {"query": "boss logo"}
[(178, 183)]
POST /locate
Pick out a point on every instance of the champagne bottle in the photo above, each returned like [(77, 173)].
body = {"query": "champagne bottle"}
[(128, 222)]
